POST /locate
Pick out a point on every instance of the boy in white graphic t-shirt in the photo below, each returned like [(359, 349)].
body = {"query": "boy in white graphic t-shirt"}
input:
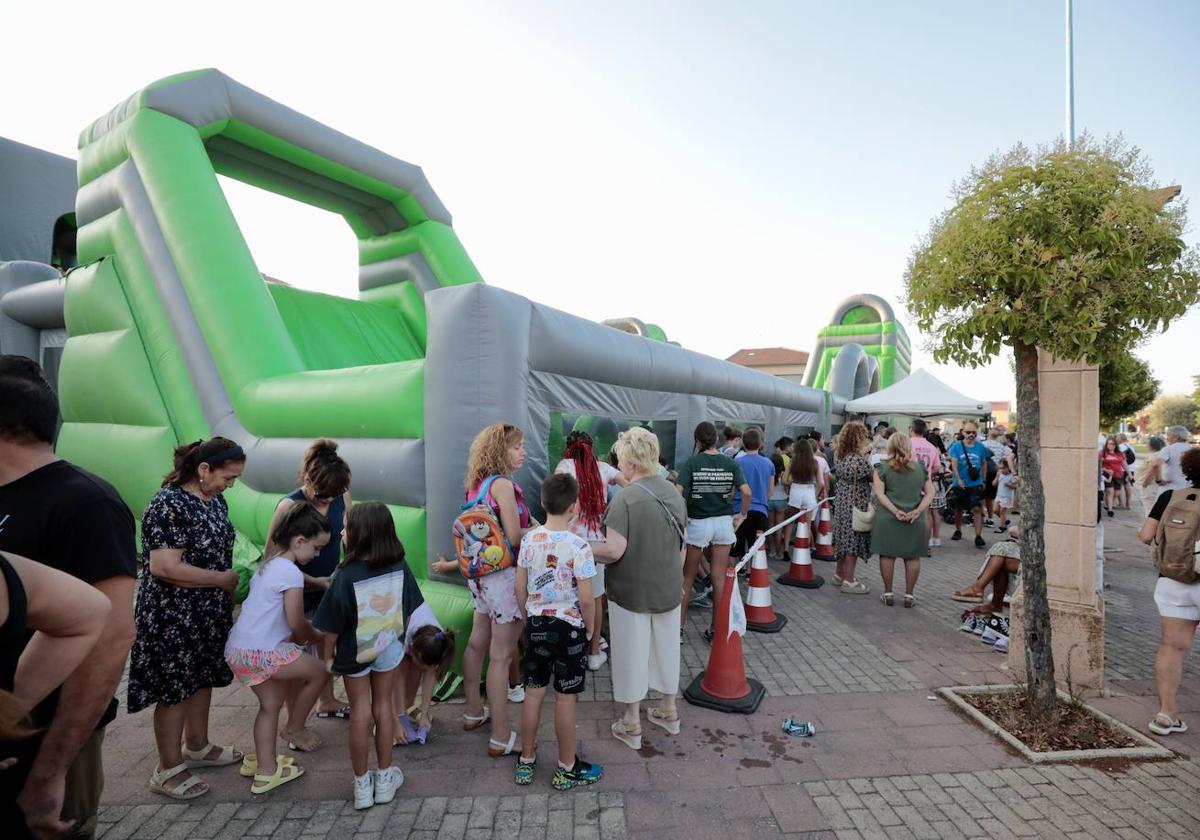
[(554, 592)]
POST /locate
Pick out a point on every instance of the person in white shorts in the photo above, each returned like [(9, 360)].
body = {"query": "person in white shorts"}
[(1179, 608), (707, 481)]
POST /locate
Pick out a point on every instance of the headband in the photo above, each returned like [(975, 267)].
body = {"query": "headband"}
[(224, 455)]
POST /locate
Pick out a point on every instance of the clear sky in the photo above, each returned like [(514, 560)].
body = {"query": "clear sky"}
[(728, 171)]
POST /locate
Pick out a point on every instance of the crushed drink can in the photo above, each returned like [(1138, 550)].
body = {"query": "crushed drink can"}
[(801, 729)]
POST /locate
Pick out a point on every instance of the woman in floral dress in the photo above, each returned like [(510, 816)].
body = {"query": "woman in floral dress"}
[(185, 611), (853, 491)]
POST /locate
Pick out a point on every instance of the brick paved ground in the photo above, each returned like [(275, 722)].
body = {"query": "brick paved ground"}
[(889, 760)]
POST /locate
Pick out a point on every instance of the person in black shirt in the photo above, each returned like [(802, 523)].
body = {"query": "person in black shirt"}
[(58, 514)]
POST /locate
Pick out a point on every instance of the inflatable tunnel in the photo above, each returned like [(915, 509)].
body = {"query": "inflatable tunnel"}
[(173, 334)]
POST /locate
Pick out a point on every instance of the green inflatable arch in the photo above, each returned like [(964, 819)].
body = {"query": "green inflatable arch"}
[(170, 296)]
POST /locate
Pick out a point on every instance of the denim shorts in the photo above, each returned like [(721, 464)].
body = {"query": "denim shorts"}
[(715, 530), (778, 505), (388, 660)]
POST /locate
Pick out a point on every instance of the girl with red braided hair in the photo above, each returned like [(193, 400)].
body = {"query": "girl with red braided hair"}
[(594, 478)]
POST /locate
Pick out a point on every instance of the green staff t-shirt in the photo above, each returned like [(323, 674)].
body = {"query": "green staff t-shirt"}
[(708, 482)]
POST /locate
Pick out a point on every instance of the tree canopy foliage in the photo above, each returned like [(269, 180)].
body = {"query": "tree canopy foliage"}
[(1172, 410), (1072, 251), (1126, 386)]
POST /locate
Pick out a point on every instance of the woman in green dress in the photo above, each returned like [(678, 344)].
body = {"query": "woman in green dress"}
[(903, 491)]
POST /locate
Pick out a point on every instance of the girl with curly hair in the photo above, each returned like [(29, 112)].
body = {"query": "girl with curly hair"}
[(497, 452)]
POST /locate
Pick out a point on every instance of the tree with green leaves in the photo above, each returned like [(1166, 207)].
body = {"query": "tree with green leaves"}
[(1072, 251), (1172, 410), (1126, 386)]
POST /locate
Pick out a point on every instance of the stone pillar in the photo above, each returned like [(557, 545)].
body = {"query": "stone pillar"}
[(1070, 413)]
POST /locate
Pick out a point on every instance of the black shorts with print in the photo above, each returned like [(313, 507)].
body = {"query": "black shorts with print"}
[(554, 646)]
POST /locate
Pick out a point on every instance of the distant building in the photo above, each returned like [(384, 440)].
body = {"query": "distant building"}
[(778, 361), (1001, 413)]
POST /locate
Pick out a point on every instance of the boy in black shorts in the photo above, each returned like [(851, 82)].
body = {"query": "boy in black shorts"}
[(555, 568)]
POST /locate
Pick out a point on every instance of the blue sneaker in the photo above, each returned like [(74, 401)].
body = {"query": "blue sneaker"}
[(583, 773)]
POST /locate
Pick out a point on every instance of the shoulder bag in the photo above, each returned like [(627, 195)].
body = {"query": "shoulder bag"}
[(670, 516)]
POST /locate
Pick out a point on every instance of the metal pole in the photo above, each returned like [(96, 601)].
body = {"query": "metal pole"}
[(1070, 103)]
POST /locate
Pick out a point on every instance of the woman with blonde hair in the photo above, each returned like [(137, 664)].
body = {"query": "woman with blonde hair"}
[(903, 492), (853, 492), (644, 530), (495, 455)]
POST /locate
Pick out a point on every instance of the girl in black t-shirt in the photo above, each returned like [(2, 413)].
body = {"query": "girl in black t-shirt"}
[(367, 608)]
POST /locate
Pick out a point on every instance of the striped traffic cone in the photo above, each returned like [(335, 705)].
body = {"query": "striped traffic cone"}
[(824, 542), (723, 685), (760, 613), (800, 570)]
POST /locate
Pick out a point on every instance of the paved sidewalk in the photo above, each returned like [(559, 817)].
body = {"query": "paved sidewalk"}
[(889, 758)]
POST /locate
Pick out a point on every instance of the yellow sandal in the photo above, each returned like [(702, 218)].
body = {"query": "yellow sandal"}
[(250, 763), (283, 774)]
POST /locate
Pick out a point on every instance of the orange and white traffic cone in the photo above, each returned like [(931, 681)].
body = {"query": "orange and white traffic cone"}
[(760, 613), (723, 685), (800, 570), (824, 542)]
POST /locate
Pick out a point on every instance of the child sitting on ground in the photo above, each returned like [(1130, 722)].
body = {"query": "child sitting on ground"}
[(369, 601), (428, 652), (264, 647), (554, 593)]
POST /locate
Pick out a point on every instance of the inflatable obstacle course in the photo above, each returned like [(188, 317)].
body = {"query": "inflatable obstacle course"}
[(172, 334)]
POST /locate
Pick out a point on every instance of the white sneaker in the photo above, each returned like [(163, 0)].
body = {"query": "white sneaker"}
[(516, 694), (386, 783), (595, 661), (1001, 644), (364, 790)]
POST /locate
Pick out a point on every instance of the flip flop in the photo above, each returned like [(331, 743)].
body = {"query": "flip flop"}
[(473, 722), (342, 713), (496, 749), (199, 758), (656, 717), (283, 774), (185, 791), (967, 599)]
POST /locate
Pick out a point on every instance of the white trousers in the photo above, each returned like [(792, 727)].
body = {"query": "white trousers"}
[(645, 653)]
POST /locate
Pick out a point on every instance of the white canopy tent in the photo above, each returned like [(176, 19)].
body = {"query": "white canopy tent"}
[(920, 394)]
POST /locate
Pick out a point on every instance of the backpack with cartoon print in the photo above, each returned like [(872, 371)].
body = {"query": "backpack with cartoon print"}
[(479, 538)]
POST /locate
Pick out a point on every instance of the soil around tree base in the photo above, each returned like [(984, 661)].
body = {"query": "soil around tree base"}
[(1071, 727)]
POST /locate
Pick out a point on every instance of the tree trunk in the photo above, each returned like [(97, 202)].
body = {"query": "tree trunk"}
[(1039, 661)]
